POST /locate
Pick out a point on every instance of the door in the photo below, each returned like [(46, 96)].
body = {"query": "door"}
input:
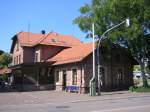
[(64, 79)]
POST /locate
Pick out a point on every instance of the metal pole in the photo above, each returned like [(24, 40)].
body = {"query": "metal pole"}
[(127, 21), (98, 51), (98, 71), (92, 81), (93, 50)]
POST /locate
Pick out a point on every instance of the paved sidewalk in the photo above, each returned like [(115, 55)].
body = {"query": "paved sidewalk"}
[(55, 97)]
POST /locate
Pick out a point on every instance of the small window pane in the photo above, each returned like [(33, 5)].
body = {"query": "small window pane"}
[(74, 76), (57, 76), (19, 59), (36, 57)]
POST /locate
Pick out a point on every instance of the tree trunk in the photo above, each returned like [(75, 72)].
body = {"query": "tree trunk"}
[(142, 65)]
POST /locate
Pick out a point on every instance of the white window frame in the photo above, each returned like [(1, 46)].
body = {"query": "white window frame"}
[(72, 76), (57, 70), (105, 73)]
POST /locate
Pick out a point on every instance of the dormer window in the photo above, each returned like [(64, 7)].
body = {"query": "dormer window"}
[(53, 40)]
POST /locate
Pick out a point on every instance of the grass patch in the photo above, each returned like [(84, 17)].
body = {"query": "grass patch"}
[(139, 89), (141, 81)]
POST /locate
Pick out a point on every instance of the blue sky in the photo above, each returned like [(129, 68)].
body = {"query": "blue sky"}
[(48, 15)]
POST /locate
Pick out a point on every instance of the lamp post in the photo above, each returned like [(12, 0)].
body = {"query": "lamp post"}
[(127, 22), (92, 81)]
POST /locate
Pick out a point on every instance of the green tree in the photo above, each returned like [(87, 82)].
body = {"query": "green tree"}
[(106, 13), (5, 60), (1, 52)]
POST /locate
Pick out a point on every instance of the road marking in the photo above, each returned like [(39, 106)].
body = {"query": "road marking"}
[(123, 108)]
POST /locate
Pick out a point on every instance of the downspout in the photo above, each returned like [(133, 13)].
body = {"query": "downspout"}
[(81, 80)]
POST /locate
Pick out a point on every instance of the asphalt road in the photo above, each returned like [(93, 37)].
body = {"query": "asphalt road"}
[(141, 104), (127, 102)]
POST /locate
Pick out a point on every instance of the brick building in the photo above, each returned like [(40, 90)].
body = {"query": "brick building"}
[(55, 61)]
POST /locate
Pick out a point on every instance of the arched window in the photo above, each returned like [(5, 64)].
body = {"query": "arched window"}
[(102, 74), (120, 76)]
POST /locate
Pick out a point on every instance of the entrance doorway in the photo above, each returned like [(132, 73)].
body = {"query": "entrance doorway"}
[(64, 79)]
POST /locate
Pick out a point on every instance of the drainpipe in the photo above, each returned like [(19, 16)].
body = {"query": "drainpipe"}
[(93, 81), (81, 79)]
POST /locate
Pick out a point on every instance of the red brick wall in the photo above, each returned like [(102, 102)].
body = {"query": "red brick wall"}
[(49, 51), (85, 67), (28, 55), (68, 68)]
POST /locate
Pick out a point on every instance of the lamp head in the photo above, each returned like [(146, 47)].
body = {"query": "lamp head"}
[(127, 22)]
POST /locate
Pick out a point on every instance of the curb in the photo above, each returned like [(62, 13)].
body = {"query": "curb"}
[(116, 98)]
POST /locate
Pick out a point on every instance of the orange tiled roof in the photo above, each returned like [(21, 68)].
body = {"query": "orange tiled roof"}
[(61, 40), (32, 39), (73, 54)]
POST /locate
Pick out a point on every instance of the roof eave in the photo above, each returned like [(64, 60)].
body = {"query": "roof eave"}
[(14, 38)]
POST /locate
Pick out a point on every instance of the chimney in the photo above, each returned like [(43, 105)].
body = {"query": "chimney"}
[(43, 32)]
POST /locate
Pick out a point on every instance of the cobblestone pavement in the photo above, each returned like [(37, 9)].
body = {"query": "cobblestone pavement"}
[(41, 101), (58, 97)]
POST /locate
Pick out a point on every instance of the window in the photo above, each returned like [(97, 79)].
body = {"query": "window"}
[(64, 81), (57, 76), (74, 76), (36, 57), (17, 46), (19, 59), (49, 72), (119, 76), (14, 60), (102, 73)]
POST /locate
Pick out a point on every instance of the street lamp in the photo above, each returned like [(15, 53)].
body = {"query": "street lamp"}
[(127, 22), (93, 80)]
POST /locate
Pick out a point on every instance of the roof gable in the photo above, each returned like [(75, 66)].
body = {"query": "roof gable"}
[(32, 39)]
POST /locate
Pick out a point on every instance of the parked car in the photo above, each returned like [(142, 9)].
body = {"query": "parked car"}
[(137, 74)]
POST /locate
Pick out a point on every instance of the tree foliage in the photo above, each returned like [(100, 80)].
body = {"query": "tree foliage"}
[(5, 60), (1, 52), (106, 13)]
